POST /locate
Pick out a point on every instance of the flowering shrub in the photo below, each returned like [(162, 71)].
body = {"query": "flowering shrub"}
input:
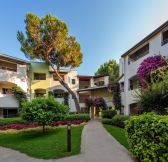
[(100, 102), (65, 122), (147, 66), (88, 101), (18, 126), (34, 125)]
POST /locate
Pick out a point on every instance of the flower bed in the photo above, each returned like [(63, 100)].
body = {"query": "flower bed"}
[(65, 122), (34, 125)]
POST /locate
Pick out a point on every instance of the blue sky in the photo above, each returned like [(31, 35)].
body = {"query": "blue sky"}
[(104, 28)]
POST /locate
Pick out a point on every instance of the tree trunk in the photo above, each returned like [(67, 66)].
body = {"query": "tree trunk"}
[(43, 127), (67, 88)]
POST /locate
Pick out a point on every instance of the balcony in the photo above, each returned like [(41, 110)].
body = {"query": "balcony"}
[(99, 81), (138, 54), (8, 101)]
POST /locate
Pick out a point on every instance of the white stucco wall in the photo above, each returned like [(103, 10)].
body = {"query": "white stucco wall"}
[(72, 74), (155, 48), (8, 101), (19, 78)]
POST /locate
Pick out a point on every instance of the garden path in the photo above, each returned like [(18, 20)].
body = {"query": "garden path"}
[(97, 146)]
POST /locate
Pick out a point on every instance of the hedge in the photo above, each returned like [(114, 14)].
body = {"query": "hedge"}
[(148, 137), (109, 113), (7, 121), (85, 117), (117, 120), (18, 120)]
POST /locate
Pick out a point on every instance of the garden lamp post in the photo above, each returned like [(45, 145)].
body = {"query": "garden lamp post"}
[(69, 137)]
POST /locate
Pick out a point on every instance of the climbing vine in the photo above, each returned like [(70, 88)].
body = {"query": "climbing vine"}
[(19, 94)]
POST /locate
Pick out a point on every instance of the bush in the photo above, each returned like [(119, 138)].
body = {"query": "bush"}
[(107, 121), (7, 121), (109, 114), (154, 98), (148, 137), (43, 111), (117, 120), (85, 117)]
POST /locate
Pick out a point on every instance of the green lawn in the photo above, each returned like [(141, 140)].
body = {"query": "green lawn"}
[(118, 134), (34, 143)]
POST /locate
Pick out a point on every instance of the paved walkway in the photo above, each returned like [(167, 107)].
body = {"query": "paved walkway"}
[(97, 146)]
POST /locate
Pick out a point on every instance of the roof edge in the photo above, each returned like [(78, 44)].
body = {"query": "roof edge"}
[(14, 58), (156, 31)]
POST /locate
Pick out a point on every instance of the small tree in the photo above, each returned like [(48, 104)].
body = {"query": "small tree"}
[(47, 39), (43, 111), (115, 89)]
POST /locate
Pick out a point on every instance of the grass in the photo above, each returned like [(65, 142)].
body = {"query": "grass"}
[(118, 134), (49, 145)]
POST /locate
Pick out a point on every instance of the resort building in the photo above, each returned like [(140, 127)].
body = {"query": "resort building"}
[(44, 81), (154, 44), (94, 86), (13, 71), (38, 79)]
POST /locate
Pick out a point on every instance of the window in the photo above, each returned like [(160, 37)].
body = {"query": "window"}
[(122, 86), (164, 37), (139, 53), (133, 83), (59, 93), (40, 92), (55, 78), (73, 81), (8, 66), (39, 76), (8, 113), (6, 91), (134, 109)]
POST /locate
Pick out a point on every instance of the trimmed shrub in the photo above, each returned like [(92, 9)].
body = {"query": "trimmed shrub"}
[(7, 121), (117, 120), (109, 114), (85, 117), (107, 121), (148, 137)]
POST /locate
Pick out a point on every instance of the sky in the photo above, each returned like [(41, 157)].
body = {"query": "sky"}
[(105, 29)]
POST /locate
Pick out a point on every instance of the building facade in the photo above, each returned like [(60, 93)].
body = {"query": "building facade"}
[(94, 86), (44, 81), (13, 71), (154, 44)]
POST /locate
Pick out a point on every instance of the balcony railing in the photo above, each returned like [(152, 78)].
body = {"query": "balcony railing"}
[(164, 41)]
